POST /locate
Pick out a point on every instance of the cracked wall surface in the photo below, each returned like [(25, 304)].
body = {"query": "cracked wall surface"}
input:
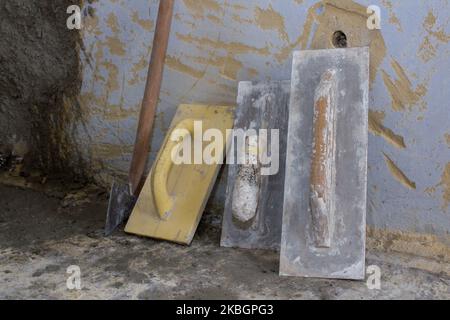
[(216, 43)]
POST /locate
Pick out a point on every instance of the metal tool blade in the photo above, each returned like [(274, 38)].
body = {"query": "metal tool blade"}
[(121, 203), (324, 237), (261, 106)]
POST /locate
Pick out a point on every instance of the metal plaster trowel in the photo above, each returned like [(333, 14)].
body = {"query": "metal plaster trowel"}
[(175, 193), (324, 219), (254, 202)]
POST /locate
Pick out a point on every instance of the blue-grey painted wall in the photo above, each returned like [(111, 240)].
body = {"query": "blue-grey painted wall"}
[(216, 43)]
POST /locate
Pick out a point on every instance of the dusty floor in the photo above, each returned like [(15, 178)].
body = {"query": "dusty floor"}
[(42, 235)]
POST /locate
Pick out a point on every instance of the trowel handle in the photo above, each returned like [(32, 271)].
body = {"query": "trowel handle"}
[(164, 164), (323, 158), (151, 95)]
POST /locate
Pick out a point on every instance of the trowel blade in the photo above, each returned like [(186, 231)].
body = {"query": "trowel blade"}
[(261, 106), (121, 203)]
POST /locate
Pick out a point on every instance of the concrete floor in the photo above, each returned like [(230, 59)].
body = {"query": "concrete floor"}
[(41, 235)]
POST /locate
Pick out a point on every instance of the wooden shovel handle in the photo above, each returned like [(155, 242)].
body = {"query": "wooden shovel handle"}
[(151, 95)]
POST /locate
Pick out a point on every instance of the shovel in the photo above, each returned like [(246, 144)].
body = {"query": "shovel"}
[(123, 196)]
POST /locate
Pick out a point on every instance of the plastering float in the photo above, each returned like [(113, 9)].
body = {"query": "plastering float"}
[(324, 219), (177, 189)]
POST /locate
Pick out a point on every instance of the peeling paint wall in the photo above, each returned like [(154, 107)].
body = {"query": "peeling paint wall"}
[(216, 43)]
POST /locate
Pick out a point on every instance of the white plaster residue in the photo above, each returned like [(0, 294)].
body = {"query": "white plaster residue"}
[(246, 188), (245, 196)]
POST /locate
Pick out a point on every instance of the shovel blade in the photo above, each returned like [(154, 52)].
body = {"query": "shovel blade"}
[(121, 203)]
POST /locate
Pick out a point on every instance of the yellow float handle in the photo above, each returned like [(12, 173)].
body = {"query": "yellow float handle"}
[(163, 200)]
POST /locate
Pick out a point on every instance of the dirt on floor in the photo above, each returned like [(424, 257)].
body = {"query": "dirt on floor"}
[(42, 234)]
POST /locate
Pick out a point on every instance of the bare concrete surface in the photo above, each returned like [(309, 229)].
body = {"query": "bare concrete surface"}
[(40, 81), (41, 235)]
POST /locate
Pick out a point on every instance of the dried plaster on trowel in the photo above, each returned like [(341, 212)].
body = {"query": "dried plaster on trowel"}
[(247, 186), (323, 175)]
